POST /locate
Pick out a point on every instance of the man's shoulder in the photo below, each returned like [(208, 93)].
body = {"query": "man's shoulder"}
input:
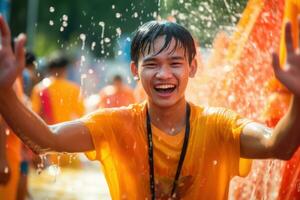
[(201, 111), (121, 114)]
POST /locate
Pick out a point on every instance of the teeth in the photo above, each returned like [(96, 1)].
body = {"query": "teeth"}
[(167, 86)]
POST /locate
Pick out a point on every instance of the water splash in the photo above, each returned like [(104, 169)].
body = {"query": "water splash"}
[(82, 37)]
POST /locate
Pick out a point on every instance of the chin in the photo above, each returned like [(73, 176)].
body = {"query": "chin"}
[(165, 103)]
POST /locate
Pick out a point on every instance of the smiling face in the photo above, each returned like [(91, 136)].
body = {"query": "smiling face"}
[(164, 75)]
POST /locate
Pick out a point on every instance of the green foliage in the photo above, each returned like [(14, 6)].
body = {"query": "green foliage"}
[(61, 22), (204, 17), (83, 17)]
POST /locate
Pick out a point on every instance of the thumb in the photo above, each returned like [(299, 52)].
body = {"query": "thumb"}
[(20, 51)]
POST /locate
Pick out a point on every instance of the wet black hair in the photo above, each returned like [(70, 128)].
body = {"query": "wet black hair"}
[(117, 78), (146, 34), (30, 58), (58, 61)]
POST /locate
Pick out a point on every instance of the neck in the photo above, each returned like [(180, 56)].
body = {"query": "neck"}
[(169, 119)]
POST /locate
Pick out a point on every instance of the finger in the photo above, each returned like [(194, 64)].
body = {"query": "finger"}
[(20, 51), (289, 38), (276, 64), (5, 33)]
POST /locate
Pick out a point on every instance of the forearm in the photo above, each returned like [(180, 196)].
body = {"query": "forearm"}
[(28, 126), (286, 135)]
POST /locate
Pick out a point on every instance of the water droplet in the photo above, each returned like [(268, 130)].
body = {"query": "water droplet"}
[(118, 15), (119, 31), (61, 29), (51, 9), (82, 36), (113, 6), (82, 60), (6, 170), (215, 162), (51, 23), (135, 14), (65, 17), (7, 132), (93, 46), (91, 71), (65, 24), (107, 40)]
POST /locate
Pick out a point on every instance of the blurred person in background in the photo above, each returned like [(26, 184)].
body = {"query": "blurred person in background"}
[(30, 77), (116, 95), (57, 99)]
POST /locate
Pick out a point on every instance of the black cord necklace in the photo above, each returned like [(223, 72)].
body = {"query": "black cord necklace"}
[(182, 155)]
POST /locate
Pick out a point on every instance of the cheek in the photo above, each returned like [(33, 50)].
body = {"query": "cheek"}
[(182, 74), (145, 76)]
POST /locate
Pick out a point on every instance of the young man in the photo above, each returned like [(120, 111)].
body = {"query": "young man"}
[(165, 147)]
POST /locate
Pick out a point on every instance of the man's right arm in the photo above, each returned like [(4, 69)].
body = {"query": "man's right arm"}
[(64, 137), (71, 136)]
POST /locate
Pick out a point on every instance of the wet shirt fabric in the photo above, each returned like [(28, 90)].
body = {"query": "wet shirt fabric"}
[(212, 157)]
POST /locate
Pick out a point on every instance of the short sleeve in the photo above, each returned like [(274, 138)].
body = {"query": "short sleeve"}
[(99, 126), (230, 126)]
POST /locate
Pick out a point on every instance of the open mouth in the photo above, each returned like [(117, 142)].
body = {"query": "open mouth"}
[(165, 88)]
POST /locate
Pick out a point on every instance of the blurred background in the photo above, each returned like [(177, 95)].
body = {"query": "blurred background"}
[(98, 33)]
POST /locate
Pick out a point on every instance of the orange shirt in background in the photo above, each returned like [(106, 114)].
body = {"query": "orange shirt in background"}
[(112, 96), (212, 159), (57, 100)]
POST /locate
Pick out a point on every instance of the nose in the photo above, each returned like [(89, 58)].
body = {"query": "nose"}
[(164, 72)]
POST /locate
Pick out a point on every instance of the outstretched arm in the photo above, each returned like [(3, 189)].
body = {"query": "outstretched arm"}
[(65, 137), (258, 141)]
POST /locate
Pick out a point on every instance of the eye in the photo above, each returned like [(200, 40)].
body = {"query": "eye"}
[(176, 64), (150, 65)]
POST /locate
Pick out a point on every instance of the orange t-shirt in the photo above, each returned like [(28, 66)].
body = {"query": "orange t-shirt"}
[(212, 157), (111, 97), (62, 101)]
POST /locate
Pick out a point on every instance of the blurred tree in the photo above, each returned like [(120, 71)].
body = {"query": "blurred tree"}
[(206, 17), (63, 24), (100, 23)]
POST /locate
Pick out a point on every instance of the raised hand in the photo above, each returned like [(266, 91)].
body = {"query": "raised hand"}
[(290, 74), (11, 64)]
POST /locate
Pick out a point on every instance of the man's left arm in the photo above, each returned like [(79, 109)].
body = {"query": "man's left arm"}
[(258, 141)]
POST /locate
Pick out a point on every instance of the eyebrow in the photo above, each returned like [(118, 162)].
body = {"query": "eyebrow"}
[(149, 59)]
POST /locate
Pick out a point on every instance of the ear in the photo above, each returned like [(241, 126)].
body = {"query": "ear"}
[(193, 68), (134, 69)]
